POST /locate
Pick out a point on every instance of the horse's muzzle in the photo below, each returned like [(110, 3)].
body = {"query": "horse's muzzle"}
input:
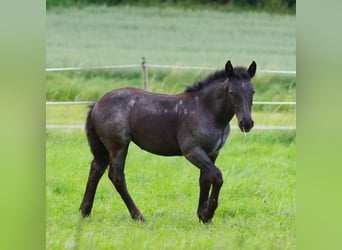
[(246, 125)]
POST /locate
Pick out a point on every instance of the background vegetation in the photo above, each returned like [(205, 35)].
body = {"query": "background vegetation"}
[(269, 5), (95, 36)]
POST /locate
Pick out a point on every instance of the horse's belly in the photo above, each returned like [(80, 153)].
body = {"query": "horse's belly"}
[(153, 124), (159, 146), (156, 138)]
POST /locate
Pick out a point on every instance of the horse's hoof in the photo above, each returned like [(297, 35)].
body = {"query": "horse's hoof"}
[(85, 214), (203, 218), (138, 217)]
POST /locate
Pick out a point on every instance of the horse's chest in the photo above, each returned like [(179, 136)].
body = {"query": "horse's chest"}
[(215, 146), (213, 142)]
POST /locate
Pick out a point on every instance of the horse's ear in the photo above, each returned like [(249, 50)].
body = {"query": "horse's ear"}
[(252, 69), (229, 69)]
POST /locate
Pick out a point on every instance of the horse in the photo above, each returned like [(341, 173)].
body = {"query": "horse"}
[(193, 124)]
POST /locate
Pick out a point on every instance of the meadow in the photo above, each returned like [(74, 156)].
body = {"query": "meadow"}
[(257, 206), (95, 36)]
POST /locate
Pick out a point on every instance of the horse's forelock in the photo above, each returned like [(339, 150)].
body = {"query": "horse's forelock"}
[(241, 72)]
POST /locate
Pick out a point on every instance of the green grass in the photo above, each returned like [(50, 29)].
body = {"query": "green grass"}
[(91, 85), (256, 208), (93, 36)]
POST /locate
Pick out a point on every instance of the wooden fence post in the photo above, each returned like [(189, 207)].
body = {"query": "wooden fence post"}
[(145, 73)]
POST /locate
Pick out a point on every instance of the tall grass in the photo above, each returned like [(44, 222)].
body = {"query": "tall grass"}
[(91, 85)]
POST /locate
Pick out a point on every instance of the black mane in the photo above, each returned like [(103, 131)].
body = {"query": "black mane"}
[(239, 72), (217, 75)]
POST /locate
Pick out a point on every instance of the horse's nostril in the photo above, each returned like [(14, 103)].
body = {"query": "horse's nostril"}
[(245, 125)]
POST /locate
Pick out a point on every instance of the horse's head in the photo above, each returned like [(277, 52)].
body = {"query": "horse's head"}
[(240, 92)]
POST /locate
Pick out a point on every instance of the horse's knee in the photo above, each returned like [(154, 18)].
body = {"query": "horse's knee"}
[(216, 177), (111, 174), (98, 166), (204, 180), (212, 177), (116, 178)]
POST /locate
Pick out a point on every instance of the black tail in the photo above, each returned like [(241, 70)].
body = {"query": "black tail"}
[(97, 167), (96, 146)]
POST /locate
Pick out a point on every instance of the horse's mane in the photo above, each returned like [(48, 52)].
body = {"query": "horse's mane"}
[(239, 72), (217, 75)]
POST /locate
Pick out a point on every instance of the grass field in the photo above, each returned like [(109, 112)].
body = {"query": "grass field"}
[(94, 36), (256, 208)]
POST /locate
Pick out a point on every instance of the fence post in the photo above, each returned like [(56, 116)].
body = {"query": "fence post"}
[(145, 73)]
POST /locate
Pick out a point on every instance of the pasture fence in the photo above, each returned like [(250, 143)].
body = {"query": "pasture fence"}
[(144, 66)]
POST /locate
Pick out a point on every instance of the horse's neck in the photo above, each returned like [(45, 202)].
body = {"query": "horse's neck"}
[(217, 103)]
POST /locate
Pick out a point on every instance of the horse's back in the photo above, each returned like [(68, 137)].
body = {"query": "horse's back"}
[(148, 119), (113, 107)]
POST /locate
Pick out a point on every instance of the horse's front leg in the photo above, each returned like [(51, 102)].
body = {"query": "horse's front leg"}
[(205, 185), (210, 176), (215, 177)]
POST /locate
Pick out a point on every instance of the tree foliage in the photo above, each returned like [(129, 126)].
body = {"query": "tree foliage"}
[(271, 5)]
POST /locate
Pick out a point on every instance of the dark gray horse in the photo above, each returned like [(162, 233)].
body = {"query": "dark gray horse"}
[(194, 123)]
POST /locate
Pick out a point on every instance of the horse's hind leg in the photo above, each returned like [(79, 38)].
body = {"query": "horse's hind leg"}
[(97, 168), (117, 176)]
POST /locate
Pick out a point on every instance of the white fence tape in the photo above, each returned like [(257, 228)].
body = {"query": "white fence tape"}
[(274, 103), (93, 68), (160, 66), (71, 103), (48, 126), (291, 72)]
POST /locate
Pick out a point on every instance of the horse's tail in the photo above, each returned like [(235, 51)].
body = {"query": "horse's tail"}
[(96, 146)]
